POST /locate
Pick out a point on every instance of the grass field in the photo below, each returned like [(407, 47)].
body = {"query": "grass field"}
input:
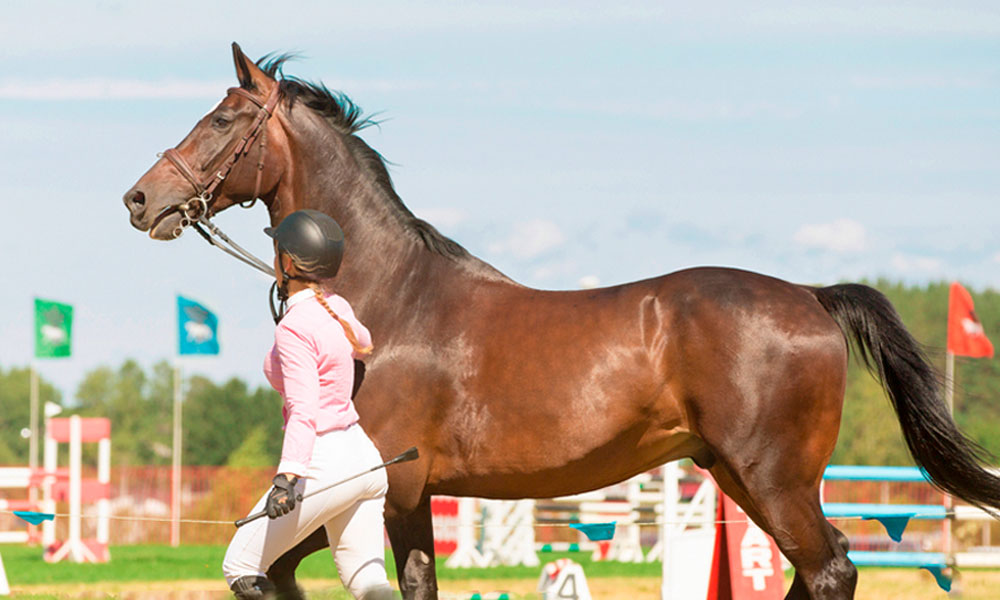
[(193, 572)]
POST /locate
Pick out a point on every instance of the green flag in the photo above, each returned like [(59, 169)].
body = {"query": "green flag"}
[(53, 329)]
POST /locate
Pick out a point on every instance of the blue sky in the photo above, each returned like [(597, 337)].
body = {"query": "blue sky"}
[(557, 141)]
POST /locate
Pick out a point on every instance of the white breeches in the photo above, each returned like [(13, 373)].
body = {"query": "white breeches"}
[(351, 514)]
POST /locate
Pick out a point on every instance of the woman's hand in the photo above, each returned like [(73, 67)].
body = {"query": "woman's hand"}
[(281, 499)]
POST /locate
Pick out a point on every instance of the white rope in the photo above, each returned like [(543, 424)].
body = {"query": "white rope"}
[(474, 525), (120, 518)]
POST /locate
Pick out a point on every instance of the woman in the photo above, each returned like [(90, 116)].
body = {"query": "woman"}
[(312, 366)]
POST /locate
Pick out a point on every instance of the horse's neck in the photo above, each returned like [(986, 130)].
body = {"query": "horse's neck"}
[(384, 261)]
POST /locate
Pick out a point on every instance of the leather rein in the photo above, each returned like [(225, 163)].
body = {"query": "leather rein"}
[(196, 210)]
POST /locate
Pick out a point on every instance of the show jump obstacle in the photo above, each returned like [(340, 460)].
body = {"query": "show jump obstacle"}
[(70, 486), (896, 516)]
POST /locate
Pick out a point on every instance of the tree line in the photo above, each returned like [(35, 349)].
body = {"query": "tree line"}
[(224, 423), (229, 423)]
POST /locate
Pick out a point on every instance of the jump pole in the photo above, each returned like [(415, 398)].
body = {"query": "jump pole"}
[(33, 439), (75, 431), (48, 481), (4, 586), (671, 500)]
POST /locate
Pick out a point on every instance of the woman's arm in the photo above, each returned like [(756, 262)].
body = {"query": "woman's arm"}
[(297, 355)]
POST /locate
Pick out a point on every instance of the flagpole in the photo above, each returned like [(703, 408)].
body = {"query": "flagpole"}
[(949, 381), (196, 334), (948, 501), (175, 474)]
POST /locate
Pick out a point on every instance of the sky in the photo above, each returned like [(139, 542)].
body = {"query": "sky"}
[(563, 142)]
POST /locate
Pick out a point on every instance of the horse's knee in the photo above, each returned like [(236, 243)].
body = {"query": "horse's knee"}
[(842, 541), (837, 580), (419, 576)]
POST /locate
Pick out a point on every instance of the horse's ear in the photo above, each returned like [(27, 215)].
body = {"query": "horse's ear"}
[(249, 75)]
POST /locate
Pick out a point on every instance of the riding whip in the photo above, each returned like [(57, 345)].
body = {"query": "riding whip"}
[(406, 456)]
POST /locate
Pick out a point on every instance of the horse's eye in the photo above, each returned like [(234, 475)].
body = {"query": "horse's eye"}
[(220, 122)]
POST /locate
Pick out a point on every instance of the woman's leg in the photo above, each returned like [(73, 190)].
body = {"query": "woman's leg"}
[(256, 545), (357, 540), (259, 543), (336, 455)]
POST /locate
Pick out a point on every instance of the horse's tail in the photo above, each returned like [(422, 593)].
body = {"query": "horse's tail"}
[(953, 462)]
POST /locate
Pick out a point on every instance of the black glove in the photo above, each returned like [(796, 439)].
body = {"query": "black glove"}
[(281, 499)]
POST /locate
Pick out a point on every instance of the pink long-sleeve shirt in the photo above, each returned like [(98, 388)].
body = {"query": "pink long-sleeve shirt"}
[(312, 366)]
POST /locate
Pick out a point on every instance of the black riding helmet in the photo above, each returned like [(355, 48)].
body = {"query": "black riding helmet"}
[(313, 240)]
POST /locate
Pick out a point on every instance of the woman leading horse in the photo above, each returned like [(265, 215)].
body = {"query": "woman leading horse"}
[(513, 392)]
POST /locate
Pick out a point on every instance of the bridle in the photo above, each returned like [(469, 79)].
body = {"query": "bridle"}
[(196, 210)]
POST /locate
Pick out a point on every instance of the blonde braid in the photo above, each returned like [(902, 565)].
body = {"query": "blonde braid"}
[(348, 330)]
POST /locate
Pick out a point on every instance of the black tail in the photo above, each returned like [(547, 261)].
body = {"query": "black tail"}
[(953, 461)]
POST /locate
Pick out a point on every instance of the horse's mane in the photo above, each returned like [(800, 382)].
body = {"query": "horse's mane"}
[(347, 117)]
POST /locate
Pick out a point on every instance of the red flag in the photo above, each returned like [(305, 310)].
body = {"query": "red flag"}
[(965, 333)]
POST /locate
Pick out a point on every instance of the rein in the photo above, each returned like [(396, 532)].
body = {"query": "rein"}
[(196, 209)]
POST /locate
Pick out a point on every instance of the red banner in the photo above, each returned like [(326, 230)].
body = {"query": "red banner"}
[(746, 564), (965, 333)]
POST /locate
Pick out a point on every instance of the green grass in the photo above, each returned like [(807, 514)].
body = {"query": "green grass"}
[(24, 566), (130, 564)]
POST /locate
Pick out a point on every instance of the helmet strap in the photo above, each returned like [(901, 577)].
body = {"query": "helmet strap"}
[(279, 312), (281, 292)]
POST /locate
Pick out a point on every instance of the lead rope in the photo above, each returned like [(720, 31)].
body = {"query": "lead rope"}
[(230, 247)]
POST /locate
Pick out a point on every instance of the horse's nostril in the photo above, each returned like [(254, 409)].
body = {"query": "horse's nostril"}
[(135, 199)]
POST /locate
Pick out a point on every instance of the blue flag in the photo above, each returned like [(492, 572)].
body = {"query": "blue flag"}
[(197, 328)]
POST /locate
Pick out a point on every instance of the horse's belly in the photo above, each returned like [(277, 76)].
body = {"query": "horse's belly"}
[(546, 468)]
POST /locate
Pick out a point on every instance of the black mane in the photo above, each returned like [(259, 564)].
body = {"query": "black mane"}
[(347, 117), (334, 106)]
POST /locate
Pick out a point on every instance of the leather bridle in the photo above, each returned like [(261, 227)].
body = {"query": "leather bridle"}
[(197, 209)]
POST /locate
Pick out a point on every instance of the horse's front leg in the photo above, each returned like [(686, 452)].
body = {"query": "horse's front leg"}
[(412, 538), (282, 572)]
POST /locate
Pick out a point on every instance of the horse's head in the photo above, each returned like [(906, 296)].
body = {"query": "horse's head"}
[(227, 158)]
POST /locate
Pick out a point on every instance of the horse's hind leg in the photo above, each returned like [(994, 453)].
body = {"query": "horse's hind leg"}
[(282, 572), (412, 539), (791, 513)]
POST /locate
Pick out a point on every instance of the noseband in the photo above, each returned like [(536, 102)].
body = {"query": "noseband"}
[(197, 209)]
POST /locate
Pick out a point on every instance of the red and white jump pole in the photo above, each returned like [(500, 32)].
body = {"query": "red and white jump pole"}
[(75, 431)]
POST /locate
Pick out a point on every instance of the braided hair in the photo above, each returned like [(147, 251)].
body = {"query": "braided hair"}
[(348, 330)]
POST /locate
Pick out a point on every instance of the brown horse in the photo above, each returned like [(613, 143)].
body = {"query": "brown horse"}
[(514, 392)]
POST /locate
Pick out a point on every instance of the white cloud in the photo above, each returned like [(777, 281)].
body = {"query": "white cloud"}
[(923, 81), (102, 88), (589, 282), (79, 26), (916, 264), (109, 89), (996, 257), (530, 239), (842, 235)]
